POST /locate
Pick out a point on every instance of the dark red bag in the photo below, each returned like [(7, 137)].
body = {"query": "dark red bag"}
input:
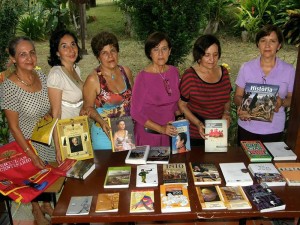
[(20, 179)]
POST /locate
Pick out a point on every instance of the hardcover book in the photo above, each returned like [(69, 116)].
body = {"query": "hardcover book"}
[(117, 177), (210, 197), (121, 133), (235, 198), (181, 143), (174, 173), (280, 151), (74, 138), (142, 201), (259, 101), (79, 205), (236, 174), (266, 173), (138, 155), (146, 175), (263, 198), (217, 138), (205, 173), (159, 154), (174, 198), (256, 151), (107, 202), (291, 172), (81, 169), (43, 130)]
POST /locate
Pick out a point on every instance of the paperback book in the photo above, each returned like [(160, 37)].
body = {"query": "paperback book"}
[(259, 101), (174, 198), (235, 198), (236, 174), (210, 198), (121, 133), (79, 169), (280, 151), (174, 173), (205, 173), (290, 171), (117, 177), (159, 154), (217, 138), (43, 130), (107, 202), (74, 138), (79, 205), (146, 175), (142, 201), (266, 173), (138, 155), (263, 198), (256, 151), (181, 143)]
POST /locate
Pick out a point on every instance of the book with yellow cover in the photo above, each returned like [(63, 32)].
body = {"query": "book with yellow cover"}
[(42, 131), (142, 201), (210, 197), (235, 198), (290, 171), (74, 138), (107, 202)]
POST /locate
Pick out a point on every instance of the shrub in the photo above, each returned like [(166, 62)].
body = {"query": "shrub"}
[(180, 19)]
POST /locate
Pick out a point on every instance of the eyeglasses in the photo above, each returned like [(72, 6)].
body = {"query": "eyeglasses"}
[(167, 86)]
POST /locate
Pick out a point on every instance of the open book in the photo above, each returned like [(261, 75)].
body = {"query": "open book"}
[(43, 130)]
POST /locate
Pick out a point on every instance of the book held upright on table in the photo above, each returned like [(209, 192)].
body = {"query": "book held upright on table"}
[(181, 143), (259, 101), (217, 138), (74, 138), (121, 133)]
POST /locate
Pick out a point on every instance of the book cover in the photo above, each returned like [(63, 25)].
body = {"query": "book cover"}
[(263, 198), (141, 201), (121, 133), (74, 138), (117, 177), (210, 198), (138, 155), (174, 173), (79, 205), (266, 173), (235, 198), (81, 169), (146, 175), (107, 202), (159, 154), (181, 143), (216, 134), (280, 151), (236, 174), (256, 151), (174, 198), (43, 130), (205, 173), (259, 101), (291, 172)]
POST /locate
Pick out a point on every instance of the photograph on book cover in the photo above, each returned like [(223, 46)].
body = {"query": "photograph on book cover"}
[(75, 140), (259, 101), (121, 134)]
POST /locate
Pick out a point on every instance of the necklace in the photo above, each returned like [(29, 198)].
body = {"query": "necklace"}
[(22, 81), (71, 74)]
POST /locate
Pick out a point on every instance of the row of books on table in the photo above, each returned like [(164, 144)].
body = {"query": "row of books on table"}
[(175, 198)]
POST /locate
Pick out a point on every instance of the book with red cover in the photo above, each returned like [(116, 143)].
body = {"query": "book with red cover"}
[(256, 151)]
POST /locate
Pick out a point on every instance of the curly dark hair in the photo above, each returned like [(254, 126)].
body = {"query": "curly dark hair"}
[(202, 44), (53, 59), (153, 40), (100, 40)]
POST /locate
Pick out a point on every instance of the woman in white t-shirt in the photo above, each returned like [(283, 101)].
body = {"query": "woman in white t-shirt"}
[(64, 81)]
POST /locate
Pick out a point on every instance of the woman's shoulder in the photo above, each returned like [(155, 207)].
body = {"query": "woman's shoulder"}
[(285, 64)]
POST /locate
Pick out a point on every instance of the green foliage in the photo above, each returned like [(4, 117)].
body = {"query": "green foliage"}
[(179, 19), (4, 131), (232, 130), (32, 24)]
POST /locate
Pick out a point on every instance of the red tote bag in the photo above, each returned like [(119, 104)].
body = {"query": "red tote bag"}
[(20, 179)]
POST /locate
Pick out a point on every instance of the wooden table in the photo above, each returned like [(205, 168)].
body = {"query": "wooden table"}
[(93, 185)]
